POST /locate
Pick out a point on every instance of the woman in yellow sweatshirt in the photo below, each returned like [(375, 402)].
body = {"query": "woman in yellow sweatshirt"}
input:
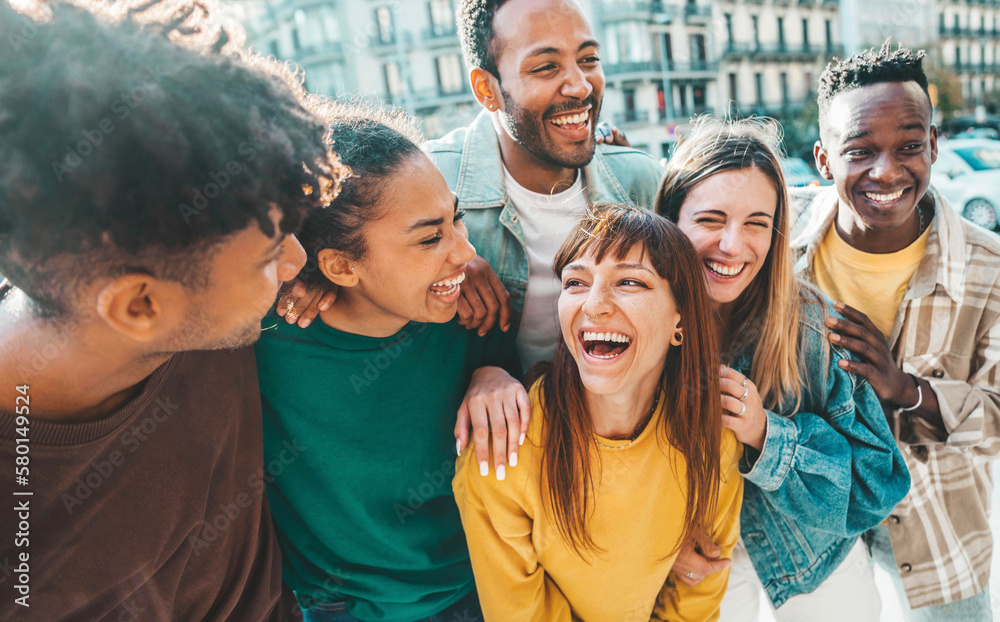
[(625, 454)]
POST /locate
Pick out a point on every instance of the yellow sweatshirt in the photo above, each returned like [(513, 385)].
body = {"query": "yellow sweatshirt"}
[(526, 571)]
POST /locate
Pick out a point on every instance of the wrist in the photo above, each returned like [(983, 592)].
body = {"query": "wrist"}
[(912, 397)]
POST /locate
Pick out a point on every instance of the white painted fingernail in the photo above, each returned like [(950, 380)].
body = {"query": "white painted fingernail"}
[(501, 472), (484, 468), (458, 446), (522, 439), (513, 459)]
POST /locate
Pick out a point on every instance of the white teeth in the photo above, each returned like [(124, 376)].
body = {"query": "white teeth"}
[(613, 337), (448, 292), (884, 198), (455, 281), (577, 118), (724, 270)]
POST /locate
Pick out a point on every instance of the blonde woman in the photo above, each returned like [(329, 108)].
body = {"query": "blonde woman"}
[(819, 461)]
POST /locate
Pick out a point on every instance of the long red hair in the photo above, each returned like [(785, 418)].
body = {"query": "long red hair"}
[(689, 384)]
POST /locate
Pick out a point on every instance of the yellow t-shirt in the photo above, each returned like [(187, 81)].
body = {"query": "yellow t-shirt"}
[(526, 571), (871, 283)]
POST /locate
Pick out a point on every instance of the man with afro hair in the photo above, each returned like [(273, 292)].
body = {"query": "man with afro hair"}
[(151, 181)]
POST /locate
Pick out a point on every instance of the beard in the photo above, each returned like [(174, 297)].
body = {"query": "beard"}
[(529, 131), (198, 328)]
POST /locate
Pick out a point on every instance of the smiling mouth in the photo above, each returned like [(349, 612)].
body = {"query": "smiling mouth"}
[(885, 198), (723, 271), (605, 345), (572, 121), (447, 287)]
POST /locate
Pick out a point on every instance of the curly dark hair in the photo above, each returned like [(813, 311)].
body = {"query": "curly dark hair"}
[(872, 66), (373, 141), (124, 148), (475, 33)]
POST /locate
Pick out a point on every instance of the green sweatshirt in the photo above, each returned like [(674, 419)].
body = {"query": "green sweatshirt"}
[(359, 456)]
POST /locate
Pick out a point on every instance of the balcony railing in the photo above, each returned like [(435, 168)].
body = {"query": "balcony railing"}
[(977, 68), (438, 33), (654, 66), (305, 54), (611, 10), (781, 52), (631, 116), (697, 12)]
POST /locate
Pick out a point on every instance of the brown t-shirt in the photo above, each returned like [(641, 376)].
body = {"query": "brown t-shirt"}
[(156, 512)]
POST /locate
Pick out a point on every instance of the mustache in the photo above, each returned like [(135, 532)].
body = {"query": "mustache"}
[(572, 106)]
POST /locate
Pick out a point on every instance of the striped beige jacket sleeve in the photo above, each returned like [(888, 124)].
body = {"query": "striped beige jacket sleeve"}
[(947, 331)]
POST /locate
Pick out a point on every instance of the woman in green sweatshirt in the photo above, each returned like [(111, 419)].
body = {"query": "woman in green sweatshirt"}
[(359, 406)]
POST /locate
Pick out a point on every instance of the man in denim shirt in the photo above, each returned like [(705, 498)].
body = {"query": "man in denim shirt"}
[(529, 165), (927, 329)]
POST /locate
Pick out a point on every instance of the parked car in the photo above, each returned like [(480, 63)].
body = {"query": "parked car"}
[(967, 173), (799, 173)]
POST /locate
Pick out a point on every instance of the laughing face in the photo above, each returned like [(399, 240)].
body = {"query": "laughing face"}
[(878, 145), (617, 318), (417, 252), (729, 218), (551, 80)]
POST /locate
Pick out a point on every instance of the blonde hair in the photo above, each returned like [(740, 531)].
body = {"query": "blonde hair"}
[(771, 304)]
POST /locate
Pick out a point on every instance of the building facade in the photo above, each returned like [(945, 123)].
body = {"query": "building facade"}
[(665, 60)]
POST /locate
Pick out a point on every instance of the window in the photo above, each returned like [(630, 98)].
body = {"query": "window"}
[(441, 16), (805, 33), (449, 71), (958, 58), (699, 98), (393, 79), (784, 90), (669, 47), (809, 84), (733, 90), (629, 104), (384, 22), (273, 47), (729, 29), (682, 93), (329, 24), (296, 43), (781, 32), (698, 49), (756, 31), (759, 84), (829, 35)]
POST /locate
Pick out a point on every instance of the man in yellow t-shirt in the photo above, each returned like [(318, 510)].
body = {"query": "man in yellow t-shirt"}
[(873, 283), (922, 294)]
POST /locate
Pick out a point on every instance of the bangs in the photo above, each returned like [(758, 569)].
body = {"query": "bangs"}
[(613, 230)]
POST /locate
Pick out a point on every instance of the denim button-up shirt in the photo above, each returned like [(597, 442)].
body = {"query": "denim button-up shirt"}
[(469, 158), (827, 472)]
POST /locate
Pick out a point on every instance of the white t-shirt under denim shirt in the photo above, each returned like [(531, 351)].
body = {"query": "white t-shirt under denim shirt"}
[(546, 220)]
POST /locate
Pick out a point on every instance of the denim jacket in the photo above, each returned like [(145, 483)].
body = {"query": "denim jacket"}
[(469, 158), (827, 472)]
